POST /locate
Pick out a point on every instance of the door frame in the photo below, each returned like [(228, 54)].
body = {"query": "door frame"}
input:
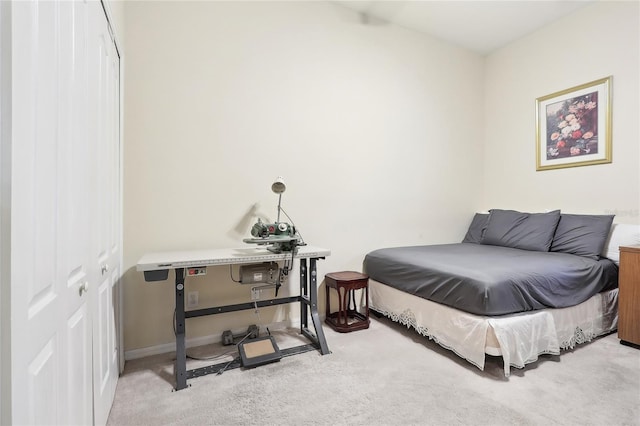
[(5, 212)]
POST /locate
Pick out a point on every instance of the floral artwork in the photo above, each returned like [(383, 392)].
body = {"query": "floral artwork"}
[(573, 126)]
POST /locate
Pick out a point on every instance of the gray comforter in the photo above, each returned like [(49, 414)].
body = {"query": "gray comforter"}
[(491, 280)]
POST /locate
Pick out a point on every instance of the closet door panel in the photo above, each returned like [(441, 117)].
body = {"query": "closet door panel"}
[(74, 198), (51, 322), (35, 296), (104, 89)]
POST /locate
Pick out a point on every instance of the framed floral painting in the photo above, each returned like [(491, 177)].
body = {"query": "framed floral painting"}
[(573, 127)]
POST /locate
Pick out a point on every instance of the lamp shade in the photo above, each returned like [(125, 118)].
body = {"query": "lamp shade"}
[(278, 186)]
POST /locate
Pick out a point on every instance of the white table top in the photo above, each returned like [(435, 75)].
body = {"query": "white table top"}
[(191, 258)]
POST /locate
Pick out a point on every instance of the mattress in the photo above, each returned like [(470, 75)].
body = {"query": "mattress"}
[(491, 280), (519, 338)]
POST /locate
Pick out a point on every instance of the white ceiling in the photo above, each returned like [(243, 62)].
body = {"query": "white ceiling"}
[(481, 26)]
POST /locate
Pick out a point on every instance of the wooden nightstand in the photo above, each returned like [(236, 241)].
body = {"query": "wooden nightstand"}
[(629, 295)]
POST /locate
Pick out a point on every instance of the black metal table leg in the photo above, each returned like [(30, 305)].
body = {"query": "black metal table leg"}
[(181, 352), (313, 298), (303, 294)]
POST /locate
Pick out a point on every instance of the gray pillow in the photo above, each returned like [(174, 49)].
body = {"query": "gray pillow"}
[(526, 231), (583, 235), (476, 229)]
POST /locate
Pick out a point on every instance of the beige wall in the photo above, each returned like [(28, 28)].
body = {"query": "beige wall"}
[(595, 42), (385, 136), (377, 130)]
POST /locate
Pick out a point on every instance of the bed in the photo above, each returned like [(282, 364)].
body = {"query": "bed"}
[(519, 285)]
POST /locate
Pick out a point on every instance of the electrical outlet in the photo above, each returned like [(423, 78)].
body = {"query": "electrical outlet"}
[(192, 299), (255, 294)]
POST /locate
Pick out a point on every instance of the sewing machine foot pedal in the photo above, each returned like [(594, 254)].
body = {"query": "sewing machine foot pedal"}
[(255, 352)]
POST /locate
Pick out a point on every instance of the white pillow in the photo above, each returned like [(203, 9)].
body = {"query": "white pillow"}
[(622, 234)]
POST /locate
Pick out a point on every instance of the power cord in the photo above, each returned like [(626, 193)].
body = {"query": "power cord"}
[(302, 243), (231, 274), (223, 369), (208, 358)]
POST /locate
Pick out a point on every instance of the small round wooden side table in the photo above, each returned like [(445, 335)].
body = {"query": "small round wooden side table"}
[(347, 318)]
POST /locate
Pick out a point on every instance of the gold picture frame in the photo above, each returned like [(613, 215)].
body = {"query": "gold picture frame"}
[(573, 127)]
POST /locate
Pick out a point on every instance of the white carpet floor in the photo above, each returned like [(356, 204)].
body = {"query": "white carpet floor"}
[(388, 375)]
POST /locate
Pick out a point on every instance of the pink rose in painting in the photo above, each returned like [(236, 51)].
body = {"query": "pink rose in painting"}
[(574, 150)]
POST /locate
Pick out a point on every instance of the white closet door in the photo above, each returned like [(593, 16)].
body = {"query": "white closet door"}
[(104, 100), (65, 205), (51, 267)]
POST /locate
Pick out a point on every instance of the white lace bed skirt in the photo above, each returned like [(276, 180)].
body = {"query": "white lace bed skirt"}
[(510, 336)]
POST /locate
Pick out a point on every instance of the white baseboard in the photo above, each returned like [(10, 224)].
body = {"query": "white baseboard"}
[(199, 341)]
